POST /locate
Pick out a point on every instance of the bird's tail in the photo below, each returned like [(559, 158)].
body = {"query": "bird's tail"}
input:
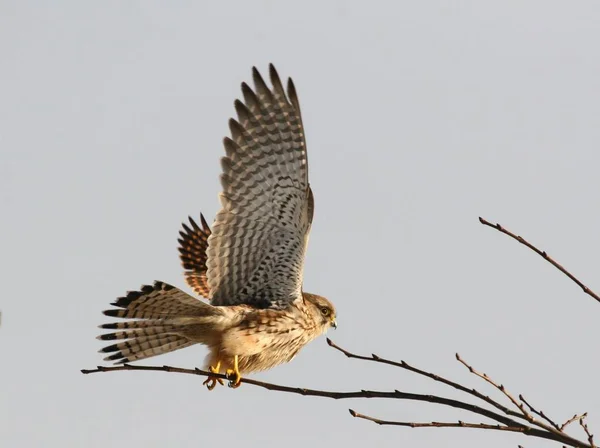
[(167, 319)]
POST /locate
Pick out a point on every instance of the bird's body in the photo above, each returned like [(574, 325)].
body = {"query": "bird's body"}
[(250, 265), (287, 331)]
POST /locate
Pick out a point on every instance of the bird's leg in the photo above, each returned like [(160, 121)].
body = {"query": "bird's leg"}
[(234, 374), (211, 381)]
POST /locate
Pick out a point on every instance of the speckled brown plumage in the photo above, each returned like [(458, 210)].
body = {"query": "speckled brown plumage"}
[(250, 264)]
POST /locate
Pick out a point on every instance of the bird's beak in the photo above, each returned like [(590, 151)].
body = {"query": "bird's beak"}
[(334, 323)]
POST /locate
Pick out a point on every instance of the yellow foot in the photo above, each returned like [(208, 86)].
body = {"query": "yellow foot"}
[(211, 381), (233, 375)]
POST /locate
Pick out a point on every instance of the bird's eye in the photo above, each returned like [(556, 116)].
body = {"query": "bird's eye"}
[(325, 311)]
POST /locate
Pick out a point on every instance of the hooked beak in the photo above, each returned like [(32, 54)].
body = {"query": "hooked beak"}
[(334, 323)]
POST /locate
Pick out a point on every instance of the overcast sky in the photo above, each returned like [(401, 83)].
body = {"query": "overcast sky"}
[(420, 117)]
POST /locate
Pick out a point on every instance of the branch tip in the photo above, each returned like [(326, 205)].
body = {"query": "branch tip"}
[(544, 255)]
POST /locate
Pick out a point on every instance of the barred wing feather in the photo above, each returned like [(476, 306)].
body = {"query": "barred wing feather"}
[(257, 246)]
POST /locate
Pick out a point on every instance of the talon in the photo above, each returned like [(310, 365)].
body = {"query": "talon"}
[(234, 378), (216, 370), (211, 381), (233, 375)]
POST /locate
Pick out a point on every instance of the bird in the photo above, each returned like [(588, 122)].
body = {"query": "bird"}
[(250, 308)]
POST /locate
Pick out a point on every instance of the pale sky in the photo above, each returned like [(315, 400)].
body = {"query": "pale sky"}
[(420, 117)]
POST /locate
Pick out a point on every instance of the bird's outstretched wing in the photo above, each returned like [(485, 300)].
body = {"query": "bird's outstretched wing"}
[(257, 245), (192, 252)]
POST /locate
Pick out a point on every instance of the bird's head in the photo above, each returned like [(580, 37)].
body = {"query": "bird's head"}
[(322, 311)]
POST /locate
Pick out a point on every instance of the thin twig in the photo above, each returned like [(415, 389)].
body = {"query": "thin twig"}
[(552, 427), (540, 413), (433, 376), (459, 424), (500, 387), (523, 414), (530, 418), (587, 432), (572, 419), (542, 254)]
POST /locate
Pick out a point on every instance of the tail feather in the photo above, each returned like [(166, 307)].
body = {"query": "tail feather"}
[(168, 316), (133, 324), (160, 298), (138, 314), (125, 348), (139, 332), (130, 350), (150, 352)]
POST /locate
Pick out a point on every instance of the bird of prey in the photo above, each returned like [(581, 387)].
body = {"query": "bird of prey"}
[(249, 265)]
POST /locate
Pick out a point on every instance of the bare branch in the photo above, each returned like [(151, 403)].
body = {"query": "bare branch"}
[(587, 432), (542, 254), (459, 424), (505, 422), (527, 430), (572, 419), (540, 413), (523, 414), (433, 376), (500, 387), (396, 394), (553, 428)]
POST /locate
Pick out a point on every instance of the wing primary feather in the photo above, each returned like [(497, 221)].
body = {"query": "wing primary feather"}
[(193, 245), (205, 226), (244, 114), (276, 81), (237, 132), (186, 228), (293, 95), (261, 86), (232, 149), (250, 98), (193, 223)]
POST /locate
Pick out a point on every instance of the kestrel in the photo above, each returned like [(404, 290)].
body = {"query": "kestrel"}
[(250, 265)]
